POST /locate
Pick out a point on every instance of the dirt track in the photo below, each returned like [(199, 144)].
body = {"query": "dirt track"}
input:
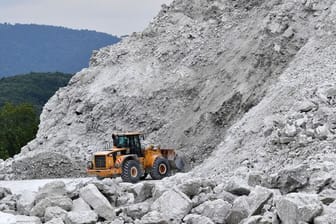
[(20, 186)]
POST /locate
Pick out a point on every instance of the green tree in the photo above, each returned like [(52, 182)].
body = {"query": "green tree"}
[(18, 125), (33, 88)]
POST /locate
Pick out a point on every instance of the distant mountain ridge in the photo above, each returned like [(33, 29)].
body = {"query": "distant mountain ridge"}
[(41, 48)]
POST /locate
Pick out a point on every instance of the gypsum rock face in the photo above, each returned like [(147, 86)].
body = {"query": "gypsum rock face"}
[(311, 71)]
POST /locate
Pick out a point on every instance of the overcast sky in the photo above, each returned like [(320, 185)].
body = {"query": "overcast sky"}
[(117, 17)]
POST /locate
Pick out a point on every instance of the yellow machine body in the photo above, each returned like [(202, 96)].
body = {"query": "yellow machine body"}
[(111, 163)]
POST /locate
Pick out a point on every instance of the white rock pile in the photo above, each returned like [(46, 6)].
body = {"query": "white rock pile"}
[(178, 199), (195, 71)]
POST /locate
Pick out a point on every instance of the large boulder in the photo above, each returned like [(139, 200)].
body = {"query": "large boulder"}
[(7, 218), (237, 186), (142, 191), (136, 211), (117, 221), (201, 198), (173, 205), (240, 210), (327, 196), (251, 205), (194, 186), (267, 218), (81, 213), (55, 188), (55, 221), (195, 219), (256, 178), (80, 205), (108, 187), (290, 179), (155, 217), (254, 220), (298, 207), (159, 189), (74, 187), (25, 202), (125, 198), (22, 219), (220, 193), (191, 187), (91, 195), (306, 106), (327, 216), (60, 201), (84, 217), (216, 210), (54, 212), (258, 198), (319, 179)]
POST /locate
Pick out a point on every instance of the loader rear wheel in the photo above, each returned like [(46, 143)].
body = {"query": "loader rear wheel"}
[(131, 171), (160, 169)]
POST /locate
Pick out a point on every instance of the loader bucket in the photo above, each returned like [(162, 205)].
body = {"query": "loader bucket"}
[(176, 161), (179, 163)]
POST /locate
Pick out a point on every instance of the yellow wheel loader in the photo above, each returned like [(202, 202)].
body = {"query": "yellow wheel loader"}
[(132, 162)]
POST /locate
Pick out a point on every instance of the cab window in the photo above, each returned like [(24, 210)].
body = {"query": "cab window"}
[(121, 142)]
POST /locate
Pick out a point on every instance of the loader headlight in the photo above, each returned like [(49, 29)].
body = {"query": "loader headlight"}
[(89, 165)]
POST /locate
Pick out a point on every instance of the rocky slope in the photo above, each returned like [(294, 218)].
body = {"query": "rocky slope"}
[(195, 71), (295, 122)]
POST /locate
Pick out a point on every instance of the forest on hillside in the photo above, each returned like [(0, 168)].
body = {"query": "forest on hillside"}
[(33, 88), (22, 98)]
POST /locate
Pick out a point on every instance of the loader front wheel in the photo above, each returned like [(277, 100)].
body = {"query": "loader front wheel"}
[(131, 171), (160, 169)]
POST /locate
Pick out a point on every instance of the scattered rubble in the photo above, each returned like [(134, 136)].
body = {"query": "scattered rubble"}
[(91, 205)]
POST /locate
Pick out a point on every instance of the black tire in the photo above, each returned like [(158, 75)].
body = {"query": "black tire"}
[(100, 178), (131, 171), (161, 169), (143, 177)]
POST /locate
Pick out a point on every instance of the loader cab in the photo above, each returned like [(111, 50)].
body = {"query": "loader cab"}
[(128, 140)]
